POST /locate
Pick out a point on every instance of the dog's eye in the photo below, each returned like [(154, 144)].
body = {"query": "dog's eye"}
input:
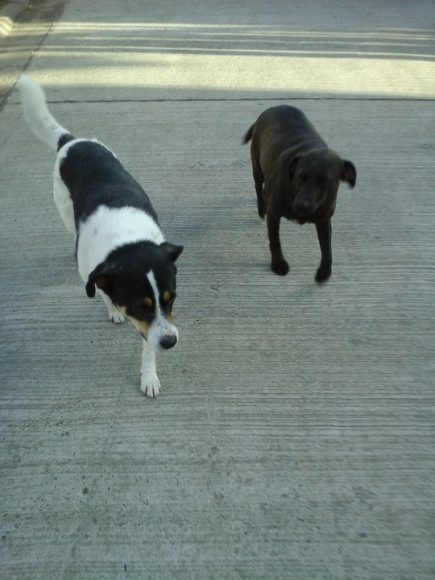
[(169, 302), (145, 306), (168, 299)]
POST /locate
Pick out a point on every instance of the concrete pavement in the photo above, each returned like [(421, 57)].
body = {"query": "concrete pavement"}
[(294, 434)]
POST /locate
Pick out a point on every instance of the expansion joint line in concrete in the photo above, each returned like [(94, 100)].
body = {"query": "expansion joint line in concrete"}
[(242, 99)]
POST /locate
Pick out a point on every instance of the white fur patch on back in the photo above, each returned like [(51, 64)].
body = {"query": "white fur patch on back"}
[(109, 228)]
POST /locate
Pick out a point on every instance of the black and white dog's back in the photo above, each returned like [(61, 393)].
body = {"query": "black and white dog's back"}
[(121, 251)]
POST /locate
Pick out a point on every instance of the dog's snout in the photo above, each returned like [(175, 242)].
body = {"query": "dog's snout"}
[(168, 341)]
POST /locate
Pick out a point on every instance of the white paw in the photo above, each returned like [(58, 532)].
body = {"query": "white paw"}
[(150, 385), (116, 316)]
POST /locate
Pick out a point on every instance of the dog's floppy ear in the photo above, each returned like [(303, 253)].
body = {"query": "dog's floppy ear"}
[(100, 277), (171, 250), (349, 173), (293, 165)]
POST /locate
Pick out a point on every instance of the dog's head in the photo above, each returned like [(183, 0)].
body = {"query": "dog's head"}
[(140, 280), (315, 176)]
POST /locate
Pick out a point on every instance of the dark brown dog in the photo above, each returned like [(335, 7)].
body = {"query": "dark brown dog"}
[(297, 177)]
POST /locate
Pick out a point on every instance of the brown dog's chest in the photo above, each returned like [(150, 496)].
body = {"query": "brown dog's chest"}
[(288, 213)]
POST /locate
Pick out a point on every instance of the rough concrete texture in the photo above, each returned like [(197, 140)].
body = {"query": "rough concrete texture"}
[(294, 434)]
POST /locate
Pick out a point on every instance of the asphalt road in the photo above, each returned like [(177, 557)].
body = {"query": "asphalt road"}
[(294, 435)]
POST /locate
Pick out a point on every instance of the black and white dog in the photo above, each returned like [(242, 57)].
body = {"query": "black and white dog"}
[(120, 249)]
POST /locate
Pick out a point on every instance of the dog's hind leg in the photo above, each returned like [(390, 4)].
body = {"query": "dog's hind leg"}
[(62, 199), (259, 180), (261, 202), (114, 314), (64, 204)]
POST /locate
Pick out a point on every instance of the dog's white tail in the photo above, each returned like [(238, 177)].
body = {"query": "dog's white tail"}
[(36, 113)]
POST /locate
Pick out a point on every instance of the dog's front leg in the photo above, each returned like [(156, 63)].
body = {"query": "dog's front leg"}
[(324, 232), (114, 314), (278, 265), (149, 381)]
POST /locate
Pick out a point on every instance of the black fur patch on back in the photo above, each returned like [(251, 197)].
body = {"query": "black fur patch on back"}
[(95, 177)]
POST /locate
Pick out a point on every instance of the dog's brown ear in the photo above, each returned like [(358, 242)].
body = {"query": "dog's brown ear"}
[(293, 165), (101, 278), (349, 173), (171, 250)]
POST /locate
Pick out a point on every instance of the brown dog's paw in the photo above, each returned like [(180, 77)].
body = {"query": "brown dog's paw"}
[(281, 268), (323, 274)]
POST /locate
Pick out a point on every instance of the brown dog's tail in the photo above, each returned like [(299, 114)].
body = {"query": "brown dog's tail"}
[(248, 135)]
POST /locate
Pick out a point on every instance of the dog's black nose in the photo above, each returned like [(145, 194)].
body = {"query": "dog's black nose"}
[(168, 341)]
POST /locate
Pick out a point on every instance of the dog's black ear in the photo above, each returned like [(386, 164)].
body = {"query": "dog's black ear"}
[(101, 278), (171, 250), (349, 173), (293, 165)]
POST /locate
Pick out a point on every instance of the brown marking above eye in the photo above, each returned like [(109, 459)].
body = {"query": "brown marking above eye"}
[(148, 302), (166, 296)]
